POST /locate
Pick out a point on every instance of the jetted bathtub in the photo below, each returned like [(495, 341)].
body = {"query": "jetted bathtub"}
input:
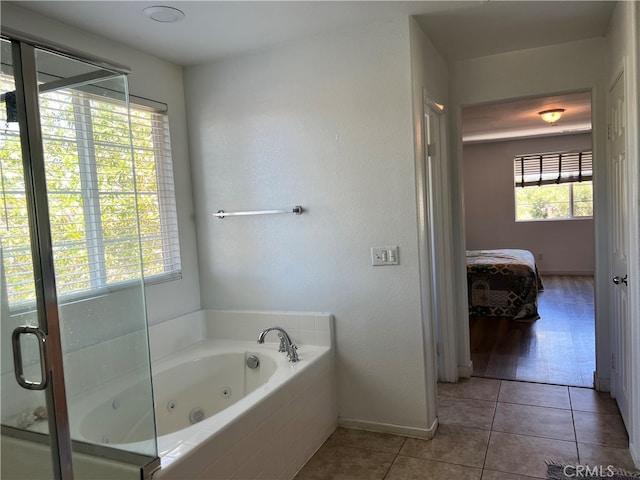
[(218, 418)]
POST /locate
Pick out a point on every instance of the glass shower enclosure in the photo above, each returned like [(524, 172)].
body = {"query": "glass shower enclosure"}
[(77, 397)]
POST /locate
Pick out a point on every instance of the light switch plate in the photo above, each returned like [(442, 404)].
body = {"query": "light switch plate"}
[(382, 256)]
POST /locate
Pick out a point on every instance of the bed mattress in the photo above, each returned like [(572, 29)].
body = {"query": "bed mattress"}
[(503, 283)]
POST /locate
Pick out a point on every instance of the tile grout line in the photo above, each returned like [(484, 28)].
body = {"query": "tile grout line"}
[(573, 422), (495, 409), (394, 458)]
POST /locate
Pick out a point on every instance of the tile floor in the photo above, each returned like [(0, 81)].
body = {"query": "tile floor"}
[(489, 430)]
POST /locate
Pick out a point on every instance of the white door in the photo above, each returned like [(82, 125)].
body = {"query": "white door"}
[(617, 161)]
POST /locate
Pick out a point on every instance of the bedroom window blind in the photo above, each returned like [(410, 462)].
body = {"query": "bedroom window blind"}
[(553, 168), (103, 188)]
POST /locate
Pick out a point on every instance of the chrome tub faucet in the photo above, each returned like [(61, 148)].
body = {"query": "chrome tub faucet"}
[(286, 345)]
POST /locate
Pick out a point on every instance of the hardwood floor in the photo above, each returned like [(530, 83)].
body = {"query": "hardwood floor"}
[(559, 348)]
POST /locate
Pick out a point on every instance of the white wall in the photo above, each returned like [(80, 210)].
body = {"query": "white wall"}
[(566, 67), (561, 247), (325, 123), (159, 80)]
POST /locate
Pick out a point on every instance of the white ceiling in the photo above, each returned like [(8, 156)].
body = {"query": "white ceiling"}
[(459, 29), (519, 118), (487, 28), (217, 29)]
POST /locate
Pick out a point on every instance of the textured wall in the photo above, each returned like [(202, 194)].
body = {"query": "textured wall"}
[(325, 123)]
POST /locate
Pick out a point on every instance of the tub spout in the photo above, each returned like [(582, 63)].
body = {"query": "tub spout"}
[(286, 345)]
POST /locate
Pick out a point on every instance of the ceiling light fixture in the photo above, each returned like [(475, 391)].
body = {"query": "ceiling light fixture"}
[(163, 14), (551, 116)]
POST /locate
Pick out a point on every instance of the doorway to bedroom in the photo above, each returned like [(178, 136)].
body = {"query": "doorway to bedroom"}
[(530, 239)]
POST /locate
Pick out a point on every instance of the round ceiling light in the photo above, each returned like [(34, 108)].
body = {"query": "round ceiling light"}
[(551, 116), (164, 14)]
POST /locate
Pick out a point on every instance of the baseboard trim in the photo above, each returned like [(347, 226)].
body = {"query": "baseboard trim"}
[(426, 433), (601, 384), (635, 454), (465, 371)]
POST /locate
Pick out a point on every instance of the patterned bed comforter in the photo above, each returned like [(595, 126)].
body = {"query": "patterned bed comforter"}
[(503, 283)]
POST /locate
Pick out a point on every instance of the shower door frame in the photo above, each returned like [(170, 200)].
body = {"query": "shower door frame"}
[(27, 99), (25, 74)]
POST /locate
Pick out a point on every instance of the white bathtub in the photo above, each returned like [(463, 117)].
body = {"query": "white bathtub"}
[(258, 424), (206, 379), (262, 423), (258, 410)]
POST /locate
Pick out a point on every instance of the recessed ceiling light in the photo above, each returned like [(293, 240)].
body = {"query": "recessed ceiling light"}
[(164, 14)]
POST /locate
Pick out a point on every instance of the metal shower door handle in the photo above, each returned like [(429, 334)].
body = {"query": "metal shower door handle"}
[(618, 280), (17, 358)]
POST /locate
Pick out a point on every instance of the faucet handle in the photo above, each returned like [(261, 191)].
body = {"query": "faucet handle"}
[(292, 354), (283, 343)]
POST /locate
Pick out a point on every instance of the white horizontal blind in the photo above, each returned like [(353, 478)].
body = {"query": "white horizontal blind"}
[(553, 168), (111, 195), (156, 193), (14, 226)]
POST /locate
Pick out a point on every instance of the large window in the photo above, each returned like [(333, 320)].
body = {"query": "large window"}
[(104, 186), (553, 186)]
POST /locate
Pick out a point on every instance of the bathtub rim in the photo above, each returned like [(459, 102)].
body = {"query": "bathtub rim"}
[(173, 445), (285, 373)]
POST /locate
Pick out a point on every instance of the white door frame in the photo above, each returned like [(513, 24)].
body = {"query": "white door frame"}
[(435, 237), (602, 336)]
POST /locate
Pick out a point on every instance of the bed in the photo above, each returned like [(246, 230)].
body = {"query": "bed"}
[(503, 283)]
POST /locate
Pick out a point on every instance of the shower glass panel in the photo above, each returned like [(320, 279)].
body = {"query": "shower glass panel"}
[(90, 177)]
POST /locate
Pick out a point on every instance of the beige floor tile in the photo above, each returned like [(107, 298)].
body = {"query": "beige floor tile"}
[(524, 455), (589, 400), (537, 421), (408, 468), (451, 444), (465, 412), (535, 394), (380, 442), (478, 388), (600, 429), (346, 463), (491, 475), (600, 455)]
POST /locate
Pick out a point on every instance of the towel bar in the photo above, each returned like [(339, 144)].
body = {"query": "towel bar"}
[(221, 213)]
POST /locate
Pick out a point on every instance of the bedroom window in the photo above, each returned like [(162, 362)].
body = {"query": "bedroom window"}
[(553, 186), (101, 184)]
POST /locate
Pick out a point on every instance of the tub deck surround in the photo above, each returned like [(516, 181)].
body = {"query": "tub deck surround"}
[(277, 427), (304, 328)]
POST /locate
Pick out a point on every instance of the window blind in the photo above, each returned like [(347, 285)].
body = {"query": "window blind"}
[(156, 194), (111, 195), (553, 168)]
